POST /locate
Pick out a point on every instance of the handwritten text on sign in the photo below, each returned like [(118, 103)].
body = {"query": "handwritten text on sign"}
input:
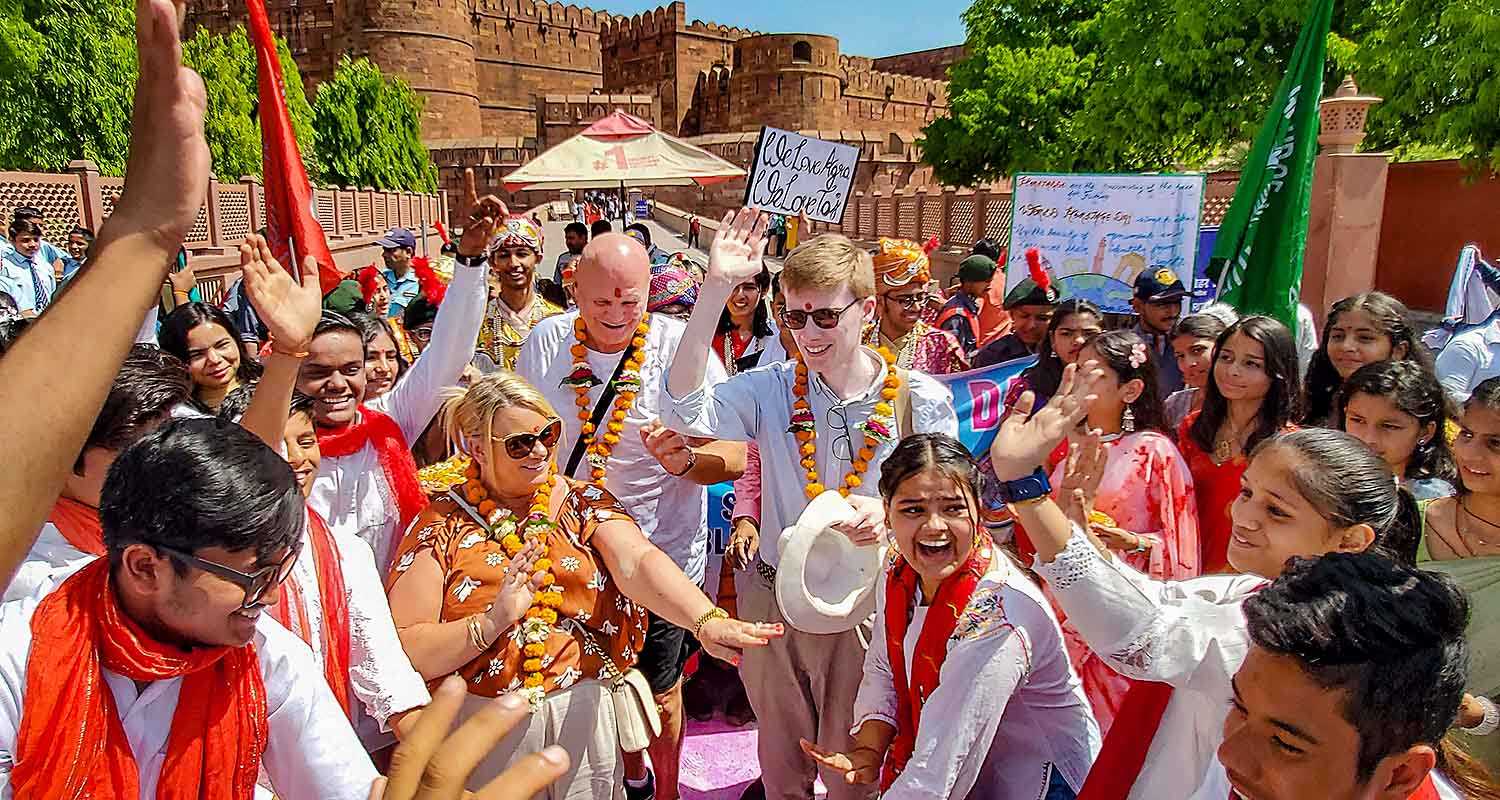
[(1096, 233), (793, 173)]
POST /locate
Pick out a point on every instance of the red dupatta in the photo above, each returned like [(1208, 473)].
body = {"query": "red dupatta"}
[(71, 744), (79, 525), (333, 599), (932, 644), (394, 452)]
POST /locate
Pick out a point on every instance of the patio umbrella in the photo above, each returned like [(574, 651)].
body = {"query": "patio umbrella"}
[(621, 150)]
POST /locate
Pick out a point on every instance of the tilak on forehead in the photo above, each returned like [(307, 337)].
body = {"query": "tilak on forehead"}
[(619, 292), (807, 306)]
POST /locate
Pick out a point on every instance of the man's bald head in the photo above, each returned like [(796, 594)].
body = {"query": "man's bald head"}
[(612, 285), (615, 259)]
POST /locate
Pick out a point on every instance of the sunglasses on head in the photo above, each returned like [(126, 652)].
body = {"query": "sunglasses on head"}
[(825, 318), (520, 445)]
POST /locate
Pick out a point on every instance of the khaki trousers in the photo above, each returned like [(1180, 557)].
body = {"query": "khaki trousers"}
[(801, 686), (580, 720)]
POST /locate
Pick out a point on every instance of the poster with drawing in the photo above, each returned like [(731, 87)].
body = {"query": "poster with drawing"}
[(793, 173), (1096, 233)]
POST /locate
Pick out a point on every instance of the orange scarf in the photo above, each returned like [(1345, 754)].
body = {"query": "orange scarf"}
[(948, 604), (71, 743), (291, 612), (79, 524)]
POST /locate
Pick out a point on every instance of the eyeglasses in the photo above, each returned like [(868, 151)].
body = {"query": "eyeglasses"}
[(825, 318), (910, 302), (520, 445), (255, 584), (422, 334)]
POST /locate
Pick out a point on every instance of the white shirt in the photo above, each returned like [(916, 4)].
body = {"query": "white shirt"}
[(671, 511), (350, 491), (311, 752), (380, 674), (757, 405), (1189, 634), (1468, 359), (50, 561), (1008, 709)]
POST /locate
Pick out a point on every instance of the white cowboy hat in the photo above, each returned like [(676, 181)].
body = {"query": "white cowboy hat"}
[(826, 583)]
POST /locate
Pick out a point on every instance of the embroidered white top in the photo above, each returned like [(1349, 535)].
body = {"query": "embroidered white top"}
[(311, 751), (1189, 634), (671, 511), (1008, 709), (757, 405), (350, 491)]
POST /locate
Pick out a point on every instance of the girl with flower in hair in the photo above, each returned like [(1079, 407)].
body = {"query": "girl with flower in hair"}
[(1144, 509), (519, 579)]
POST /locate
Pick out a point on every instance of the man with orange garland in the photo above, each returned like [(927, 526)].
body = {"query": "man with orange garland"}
[(606, 360), (827, 418)]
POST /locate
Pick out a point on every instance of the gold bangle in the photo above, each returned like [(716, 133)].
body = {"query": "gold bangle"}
[(476, 634), (715, 613)]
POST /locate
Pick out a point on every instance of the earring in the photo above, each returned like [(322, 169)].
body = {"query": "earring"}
[(1127, 421)]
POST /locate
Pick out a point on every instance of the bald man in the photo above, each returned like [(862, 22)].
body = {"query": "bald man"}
[(656, 474)]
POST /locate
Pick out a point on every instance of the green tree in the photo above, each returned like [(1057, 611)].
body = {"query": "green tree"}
[(369, 130), (227, 63), (1126, 85), (69, 68)]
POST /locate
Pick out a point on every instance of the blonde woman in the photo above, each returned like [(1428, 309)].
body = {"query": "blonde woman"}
[(525, 582)]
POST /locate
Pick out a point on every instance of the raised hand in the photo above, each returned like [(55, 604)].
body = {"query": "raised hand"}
[(669, 447), (183, 280), (289, 309), (726, 639), (860, 767), (735, 254), (432, 764), (166, 175), (518, 587), (1025, 439), (1087, 458), (482, 216)]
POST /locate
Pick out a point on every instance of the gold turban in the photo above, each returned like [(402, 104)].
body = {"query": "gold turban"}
[(899, 262)]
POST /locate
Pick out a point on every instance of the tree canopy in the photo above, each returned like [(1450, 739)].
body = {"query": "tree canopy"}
[(369, 130), (1126, 85)]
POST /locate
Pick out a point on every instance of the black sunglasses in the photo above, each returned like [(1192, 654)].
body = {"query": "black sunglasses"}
[(255, 584), (909, 302), (825, 318), (520, 445)]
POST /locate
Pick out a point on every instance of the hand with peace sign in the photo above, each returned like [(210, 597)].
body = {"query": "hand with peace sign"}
[(481, 217)]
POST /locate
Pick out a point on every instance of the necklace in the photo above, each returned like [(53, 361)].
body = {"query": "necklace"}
[(582, 379), (536, 626), (1465, 508), (1224, 448), (877, 429)]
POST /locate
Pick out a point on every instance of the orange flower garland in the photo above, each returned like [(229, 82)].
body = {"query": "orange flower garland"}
[(880, 427), (627, 386), (536, 626)]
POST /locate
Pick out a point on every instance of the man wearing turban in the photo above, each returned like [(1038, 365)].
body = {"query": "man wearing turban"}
[(515, 307), (902, 273)]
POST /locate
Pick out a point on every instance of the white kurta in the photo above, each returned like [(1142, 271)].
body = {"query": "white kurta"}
[(671, 511), (381, 675), (311, 751), (1008, 710), (1189, 634), (350, 491), (757, 405), (50, 561)]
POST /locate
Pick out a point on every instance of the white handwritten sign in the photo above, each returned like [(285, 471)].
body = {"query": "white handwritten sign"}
[(793, 173), (1096, 233)]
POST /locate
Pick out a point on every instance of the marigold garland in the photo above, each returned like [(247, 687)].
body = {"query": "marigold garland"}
[(537, 624), (627, 386), (878, 428)]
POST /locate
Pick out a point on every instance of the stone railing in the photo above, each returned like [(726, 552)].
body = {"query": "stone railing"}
[(352, 218)]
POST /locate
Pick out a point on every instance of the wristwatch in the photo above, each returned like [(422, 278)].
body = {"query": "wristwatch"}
[(471, 261), (1032, 487)]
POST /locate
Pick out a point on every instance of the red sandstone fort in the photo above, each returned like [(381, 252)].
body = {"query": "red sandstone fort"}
[(505, 79)]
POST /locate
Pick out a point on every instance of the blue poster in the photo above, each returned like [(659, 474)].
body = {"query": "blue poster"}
[(979, 398), (1204, 289)]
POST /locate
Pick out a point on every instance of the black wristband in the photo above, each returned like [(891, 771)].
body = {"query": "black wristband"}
[(1030, 487), (471, 261)]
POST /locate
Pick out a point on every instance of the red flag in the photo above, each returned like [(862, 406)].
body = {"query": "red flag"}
[(291, 229)]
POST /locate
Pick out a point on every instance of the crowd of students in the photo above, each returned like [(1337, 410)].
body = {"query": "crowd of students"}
[(286, 549)]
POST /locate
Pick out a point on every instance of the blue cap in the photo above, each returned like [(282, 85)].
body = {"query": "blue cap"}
[(398, 237), (1159, 285)]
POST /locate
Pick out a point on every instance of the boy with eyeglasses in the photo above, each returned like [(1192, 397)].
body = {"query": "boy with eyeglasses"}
[(902, 272), (155, 671), (843, 403)]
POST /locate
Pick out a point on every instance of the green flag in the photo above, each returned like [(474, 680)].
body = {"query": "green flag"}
[(1257, 257)]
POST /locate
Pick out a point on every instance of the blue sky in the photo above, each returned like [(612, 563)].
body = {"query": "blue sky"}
[(877, 28)]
